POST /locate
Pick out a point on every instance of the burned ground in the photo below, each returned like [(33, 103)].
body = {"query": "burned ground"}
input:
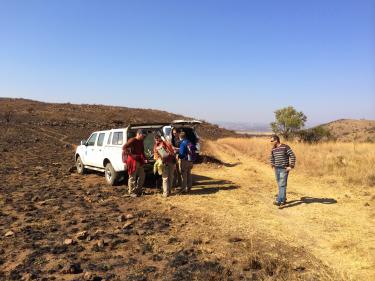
[(58, 225)]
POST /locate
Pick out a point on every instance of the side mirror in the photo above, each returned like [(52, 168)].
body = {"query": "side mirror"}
[(83, 142)]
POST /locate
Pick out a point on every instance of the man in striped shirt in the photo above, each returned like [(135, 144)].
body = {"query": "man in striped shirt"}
[(282, 161)]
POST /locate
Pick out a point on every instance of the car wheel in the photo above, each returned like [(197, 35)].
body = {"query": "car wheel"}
[(80, 167), (110, 174)]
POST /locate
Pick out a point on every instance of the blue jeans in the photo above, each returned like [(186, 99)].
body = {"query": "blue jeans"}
[(281, 175)]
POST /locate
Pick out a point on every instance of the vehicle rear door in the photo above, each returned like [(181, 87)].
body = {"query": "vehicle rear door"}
[(114, 148)]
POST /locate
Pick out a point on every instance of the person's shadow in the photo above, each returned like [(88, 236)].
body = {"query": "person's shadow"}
[(308, 200)]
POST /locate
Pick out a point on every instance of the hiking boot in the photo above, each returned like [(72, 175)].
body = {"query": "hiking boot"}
[(133, 195), (277, 203)]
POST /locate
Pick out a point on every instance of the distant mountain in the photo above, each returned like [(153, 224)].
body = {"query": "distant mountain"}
[(245, 126), (352, 130)]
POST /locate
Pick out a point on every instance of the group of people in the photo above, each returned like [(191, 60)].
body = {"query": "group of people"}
[(173, 160), (174, 163)]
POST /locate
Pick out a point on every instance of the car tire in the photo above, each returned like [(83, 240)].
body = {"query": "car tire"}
[(80, 167), (110, 174)]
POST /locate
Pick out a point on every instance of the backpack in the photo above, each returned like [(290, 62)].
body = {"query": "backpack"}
[(192, 152)]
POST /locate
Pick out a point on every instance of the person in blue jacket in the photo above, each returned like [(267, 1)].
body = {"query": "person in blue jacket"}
[(185, 163)]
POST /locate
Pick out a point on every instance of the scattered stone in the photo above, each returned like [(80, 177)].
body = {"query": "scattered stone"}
[(82, 235), (9, 233), (73, 268), (35, 198), (88, 276), (121, 218), (234, 240), (56, 164), (367, 205), (68, 242), (127, 225), (101, 244), (72, 169), (129, 216), (89, 238)]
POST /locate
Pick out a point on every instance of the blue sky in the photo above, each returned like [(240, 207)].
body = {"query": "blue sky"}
[(215, 60)]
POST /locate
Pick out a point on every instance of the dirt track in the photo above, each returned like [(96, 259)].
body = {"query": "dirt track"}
[(226, 229)]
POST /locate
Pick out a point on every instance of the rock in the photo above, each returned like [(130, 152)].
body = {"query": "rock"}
[(367, 205), (82, 235), (88, 276), (89, 238), (73, 268), (121, 218), (234, 240), (129, 216), (127, 225), (9, 233), (101, 244), (72, 169), (35, 198), (68, 242), (56, 164)]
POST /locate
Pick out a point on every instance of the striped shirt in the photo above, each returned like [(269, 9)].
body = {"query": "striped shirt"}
[(282, 156)]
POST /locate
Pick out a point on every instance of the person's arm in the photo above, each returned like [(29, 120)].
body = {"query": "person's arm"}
[(169, 148), (292, 157), (128, 147), (272, 159), (156, 154)]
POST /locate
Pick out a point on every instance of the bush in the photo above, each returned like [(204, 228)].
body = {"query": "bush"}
[(314, 135)]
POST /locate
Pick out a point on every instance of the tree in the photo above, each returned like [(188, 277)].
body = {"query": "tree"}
[(288, 122)]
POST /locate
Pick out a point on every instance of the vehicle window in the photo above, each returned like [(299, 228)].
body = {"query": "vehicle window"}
[(167, 131), (109, 138), (100, 139), (92, 140), (117, 138)]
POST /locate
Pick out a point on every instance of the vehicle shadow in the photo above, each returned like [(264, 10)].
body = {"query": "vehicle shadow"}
[(308, 200), (210, 190), (203, 185)]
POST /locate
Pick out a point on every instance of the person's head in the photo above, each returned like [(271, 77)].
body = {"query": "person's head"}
[(275, 139), (182, 135), (175, 132), (158, 138), (140, 134)]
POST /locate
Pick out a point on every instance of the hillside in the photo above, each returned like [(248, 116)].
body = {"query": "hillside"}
[(348, 130), (86, 118)]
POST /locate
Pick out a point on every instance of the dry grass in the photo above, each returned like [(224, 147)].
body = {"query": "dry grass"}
[(354, 163)]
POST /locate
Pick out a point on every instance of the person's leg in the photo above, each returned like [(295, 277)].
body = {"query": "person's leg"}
[(282, 185), (277, 176), (141, 179), (171, 171), (165, 181), (132, 182), (177, 177), (183, 167), (189, 176)]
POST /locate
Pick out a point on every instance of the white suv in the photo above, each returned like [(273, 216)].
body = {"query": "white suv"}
[(102, 151)]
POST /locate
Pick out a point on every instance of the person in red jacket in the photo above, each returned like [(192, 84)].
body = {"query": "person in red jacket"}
[(164, 151), (136, 158)]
